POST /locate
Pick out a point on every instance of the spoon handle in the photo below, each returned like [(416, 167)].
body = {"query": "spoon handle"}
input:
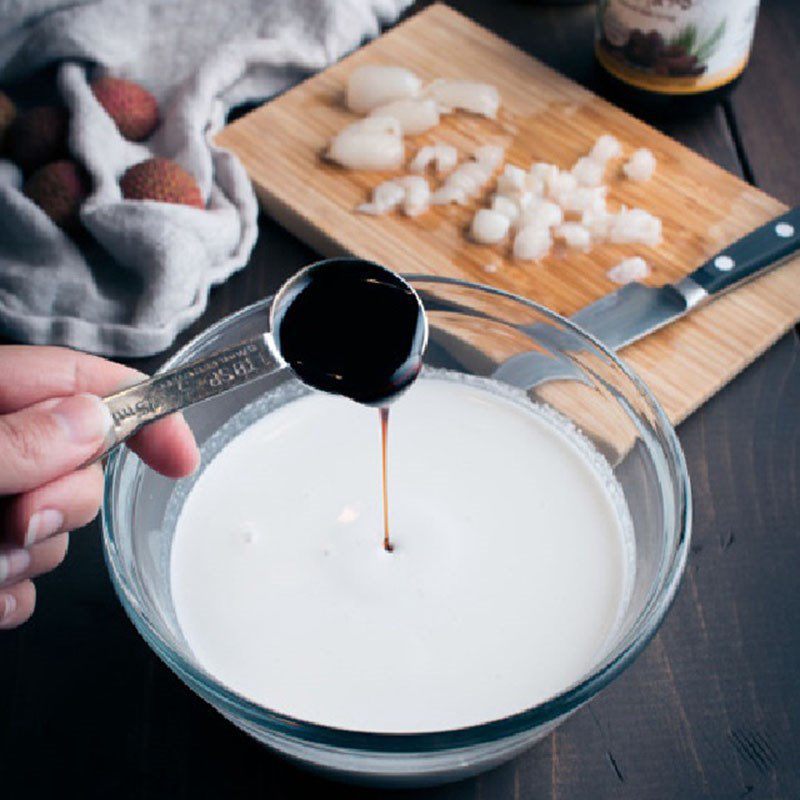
[(192, 383)]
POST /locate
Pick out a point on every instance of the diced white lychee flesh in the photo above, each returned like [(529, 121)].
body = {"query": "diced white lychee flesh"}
[(598, 222), (542, 213), (635, 226), (532, 243), (606, 148), (490, 155), (414, 115), (468, 178), (447, 194), (386, 196), (574, 235), (583, 199), (373, 143), (560, 186), (477, 98), (588, 172), (629, 270), (410, 190), (641, 166), (533, 201), (511, 181), (505, 206), (417, 194), (371, 86), (444, 156), (489, 227)]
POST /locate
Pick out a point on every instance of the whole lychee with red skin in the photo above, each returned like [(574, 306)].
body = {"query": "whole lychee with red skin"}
[(59, 189), (8, 111), (38, 136), (131, 106), (162, 180)]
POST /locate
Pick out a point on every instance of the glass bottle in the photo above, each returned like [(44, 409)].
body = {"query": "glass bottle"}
[(671, 55)]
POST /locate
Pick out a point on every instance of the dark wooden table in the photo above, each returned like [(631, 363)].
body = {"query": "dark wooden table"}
[(711, 709)]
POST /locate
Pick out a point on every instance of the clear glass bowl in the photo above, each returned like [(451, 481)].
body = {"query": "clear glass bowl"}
[(473, 329)]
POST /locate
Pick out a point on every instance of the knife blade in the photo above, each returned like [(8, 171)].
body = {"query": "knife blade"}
[(636, 310)]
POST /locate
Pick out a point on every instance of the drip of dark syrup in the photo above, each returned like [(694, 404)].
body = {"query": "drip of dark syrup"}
[(351, 327), (384, 414)]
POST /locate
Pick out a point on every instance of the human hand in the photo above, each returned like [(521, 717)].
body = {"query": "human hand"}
[(51, 423)]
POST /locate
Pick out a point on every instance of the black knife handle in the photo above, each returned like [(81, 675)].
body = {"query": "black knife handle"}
[(763, 248)]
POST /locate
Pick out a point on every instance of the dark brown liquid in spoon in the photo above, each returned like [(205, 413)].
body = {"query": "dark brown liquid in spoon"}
[(351, 327), (354, 328)]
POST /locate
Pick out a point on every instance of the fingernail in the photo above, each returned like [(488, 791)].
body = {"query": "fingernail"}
[(84, 417), (13, 563), (8, 604), (42, 524)]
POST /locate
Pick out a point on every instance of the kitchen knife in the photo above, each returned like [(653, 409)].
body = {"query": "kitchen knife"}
[(636, 310)]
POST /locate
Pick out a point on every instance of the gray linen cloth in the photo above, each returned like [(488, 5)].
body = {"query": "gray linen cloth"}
[(144, 271)]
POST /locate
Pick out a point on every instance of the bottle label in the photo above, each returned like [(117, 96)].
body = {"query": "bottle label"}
[(675, 46)]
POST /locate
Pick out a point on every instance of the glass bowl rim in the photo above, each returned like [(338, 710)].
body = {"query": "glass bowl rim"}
[(569, 699)]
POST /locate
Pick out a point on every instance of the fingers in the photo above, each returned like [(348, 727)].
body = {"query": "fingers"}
[(43, 442), (168, 446), (46, 556), (35, 374), (52, 422), (18, 564), (16, 604), (17, 592), (64, 504)]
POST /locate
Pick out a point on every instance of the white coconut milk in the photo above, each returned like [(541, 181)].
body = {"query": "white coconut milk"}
[(512, 560)]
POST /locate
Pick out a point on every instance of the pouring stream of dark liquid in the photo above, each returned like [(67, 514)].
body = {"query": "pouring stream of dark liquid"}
[(384, 414), (354, 328)]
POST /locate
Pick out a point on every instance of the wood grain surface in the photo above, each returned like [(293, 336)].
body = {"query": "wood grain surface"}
[(710, 710), (544, 117)]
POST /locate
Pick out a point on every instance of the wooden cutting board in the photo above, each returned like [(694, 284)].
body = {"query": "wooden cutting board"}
[(544, 117)]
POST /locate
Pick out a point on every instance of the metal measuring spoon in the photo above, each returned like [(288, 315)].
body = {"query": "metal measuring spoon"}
[(184, 386)]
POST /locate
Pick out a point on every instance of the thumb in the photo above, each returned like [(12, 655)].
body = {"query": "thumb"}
[(50, 439)]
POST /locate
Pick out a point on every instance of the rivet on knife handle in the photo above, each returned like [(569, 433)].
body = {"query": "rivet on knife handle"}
[(764, 248)]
